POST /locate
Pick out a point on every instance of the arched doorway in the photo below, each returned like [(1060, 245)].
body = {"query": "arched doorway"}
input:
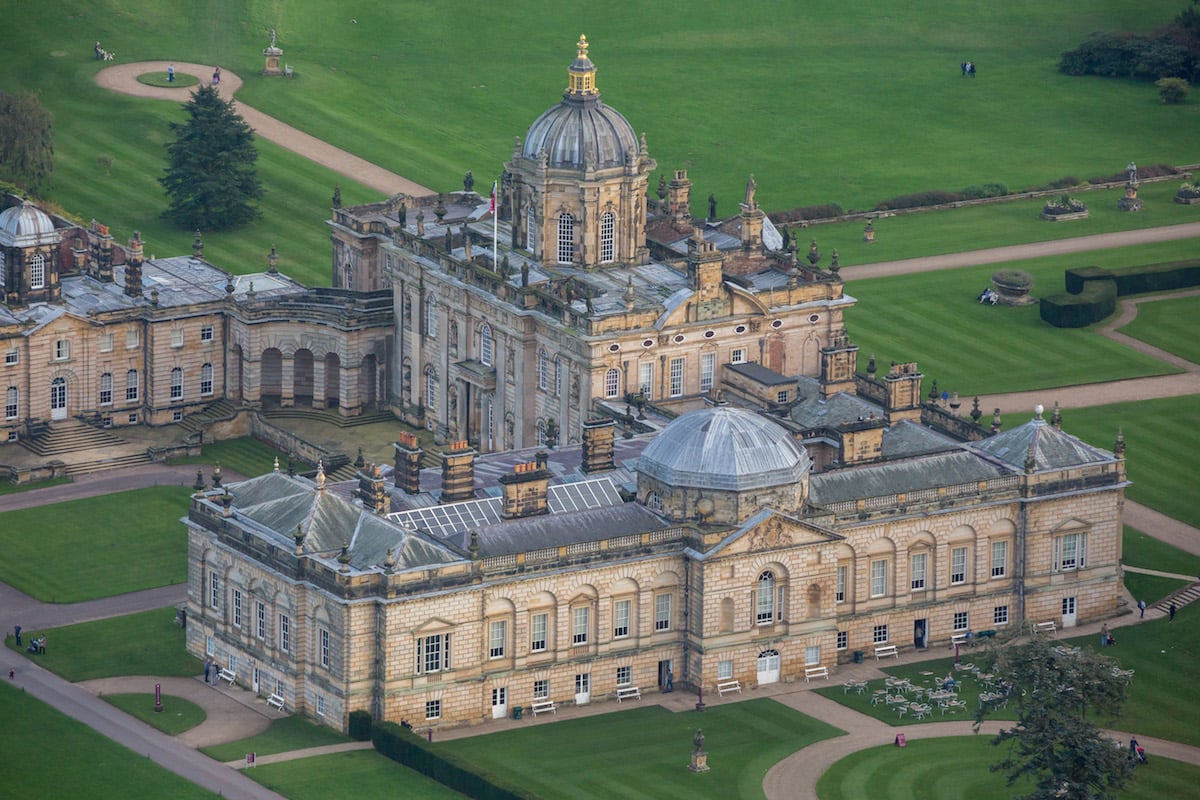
[(768, 667), (333, 380), (302, 377), (366, 381), (235, 384), (272, 375), (58, 398)]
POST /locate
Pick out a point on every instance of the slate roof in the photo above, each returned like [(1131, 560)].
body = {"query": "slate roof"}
[(923, 472), (1052, 448), (554, 530)]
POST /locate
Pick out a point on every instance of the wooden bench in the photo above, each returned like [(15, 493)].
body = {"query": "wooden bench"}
[(629, 693), (1045, 627), (884, 650), (816, 672), (723, 687), (542, 706), (275, 701), (226, 675)]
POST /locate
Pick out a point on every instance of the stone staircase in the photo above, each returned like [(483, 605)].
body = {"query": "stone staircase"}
[(220, 410), (84, 448), (1181, 597), (330, 417)]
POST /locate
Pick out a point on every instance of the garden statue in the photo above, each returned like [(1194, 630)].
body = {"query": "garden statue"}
[(468, 181), (1131, 170), (712, 208), (337, 195), (751, 188), (698, 740), (402, 213)]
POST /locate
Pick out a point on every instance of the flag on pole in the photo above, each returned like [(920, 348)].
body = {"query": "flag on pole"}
[(492, 207)]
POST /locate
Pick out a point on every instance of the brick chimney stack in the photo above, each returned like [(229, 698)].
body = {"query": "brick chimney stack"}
[(408, 463), (458, 473), (371, 490), (903, 387), (598, 446), (525, 489), (100, 244), (133, 266)]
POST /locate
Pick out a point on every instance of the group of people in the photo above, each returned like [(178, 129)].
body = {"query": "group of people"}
[(968, 69), (1137, 753), (101, 53), (1106, 638), (211, 671), (989, 296)]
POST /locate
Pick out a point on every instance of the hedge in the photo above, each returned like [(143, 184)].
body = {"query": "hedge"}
[(1092, 292), (404, 746), (1097, 300)]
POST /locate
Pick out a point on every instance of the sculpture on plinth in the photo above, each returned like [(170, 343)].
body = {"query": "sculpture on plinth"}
[(1130, 202), (272, 53), (699, 755)]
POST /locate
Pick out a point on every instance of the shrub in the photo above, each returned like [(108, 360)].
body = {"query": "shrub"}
[(824, 211), (1172, 91), (1128, 56), (360, 726), (931, 198), (976, 192), (1065, 182), (1097, 300)]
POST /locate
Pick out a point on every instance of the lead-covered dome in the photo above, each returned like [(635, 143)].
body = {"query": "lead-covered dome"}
[(26, 225), (581, 130), (724, 448)]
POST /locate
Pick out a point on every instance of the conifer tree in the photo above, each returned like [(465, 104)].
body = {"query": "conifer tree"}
[(26, 147), (210, 179)]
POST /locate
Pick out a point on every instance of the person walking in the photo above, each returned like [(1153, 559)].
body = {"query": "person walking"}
[(170, 73), (216, 76), (1141, 609), (1171, 613), (1104, 635)]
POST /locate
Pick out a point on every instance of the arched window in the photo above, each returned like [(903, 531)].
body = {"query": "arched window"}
[(430, 388), (12, 403), (612, 383), (131, 385), (486, 345), (566, 239), (558, 373), (348, 276), (431, 316), (3, 268), (206, 379), (37, 271), (541, 431), (764, 606), (106, 384), (177, 383), (608, 226), (530, 229), (542, 378), (490, 413)]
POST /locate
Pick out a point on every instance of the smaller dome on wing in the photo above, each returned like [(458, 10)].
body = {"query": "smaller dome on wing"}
[(26, 225)]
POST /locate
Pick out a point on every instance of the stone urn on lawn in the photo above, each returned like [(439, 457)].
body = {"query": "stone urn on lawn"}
[(1012, 286)]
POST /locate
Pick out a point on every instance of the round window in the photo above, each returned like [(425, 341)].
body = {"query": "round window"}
[(814, 318)]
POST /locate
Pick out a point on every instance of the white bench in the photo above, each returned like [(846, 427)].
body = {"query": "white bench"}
[(884, 650), (288, 72), (816, 672), (1045, 627), (542, 706), (226, 675), (275, 701), (959, 639), (723, 687), (629, 693)]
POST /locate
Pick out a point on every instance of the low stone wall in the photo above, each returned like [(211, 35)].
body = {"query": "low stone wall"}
[(289, 442)]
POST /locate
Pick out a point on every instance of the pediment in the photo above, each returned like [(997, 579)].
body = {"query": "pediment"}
[(770, 531), (433, 625)]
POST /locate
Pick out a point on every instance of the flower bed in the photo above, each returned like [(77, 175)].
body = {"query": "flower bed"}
[(1188, 194), (1064, 208)]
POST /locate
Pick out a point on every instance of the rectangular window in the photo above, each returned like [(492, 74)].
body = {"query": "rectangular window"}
[(958, 565), (62, 350), (812, 655), (999, 559), (612, 383), (214, 590), (646, 379), (676, 377), (624, 676), (260, 625), (433, 653), (12, 403), (106, 389), (708, 366), (237, 608), (840, 592), (541, 689), (177, 337), (580, 618), (621, 619), (879, 634), (1000, 615), (206, 380), (106, 342), (320, 705), (919, 563), (662, 612), (781, 396), (324, 645), (498, 635), (176, 384), (583, 683), (1070, 552), (879, 577), (131, 339), (725, 669), (843, 640), (537, 635), (210, 646), (206, 333), (131, 385), (738, 356), (12, 357), (285, 633), (433, 709), (279, 687), (960, 621)]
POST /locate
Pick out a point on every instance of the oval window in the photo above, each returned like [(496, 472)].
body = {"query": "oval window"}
[(777, 324), (614, 348), (647, 343), (739, 330), (709, 334)]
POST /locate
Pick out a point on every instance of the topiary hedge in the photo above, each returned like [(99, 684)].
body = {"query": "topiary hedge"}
[(1092, 292), (1097, 300), (408, 748), (360, 726)]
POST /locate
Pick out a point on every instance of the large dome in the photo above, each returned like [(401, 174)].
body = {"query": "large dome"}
[(581, 131), (727, 449), (26, 225)]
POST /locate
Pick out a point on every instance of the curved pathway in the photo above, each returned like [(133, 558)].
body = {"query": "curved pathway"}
[(123, 78)]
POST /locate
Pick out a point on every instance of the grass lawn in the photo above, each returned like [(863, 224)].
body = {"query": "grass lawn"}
[(49, 755), (1162, 440), (1169, 325), (178, 715), (246, 455), (1141, 550), (643, 752), (148, 643), (393, 86), (371, 776), (975, 349), (288, 733), (13, 488), (97, 546), (957, 767)]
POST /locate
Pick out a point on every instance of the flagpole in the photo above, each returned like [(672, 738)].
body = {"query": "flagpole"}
[(495, 231)]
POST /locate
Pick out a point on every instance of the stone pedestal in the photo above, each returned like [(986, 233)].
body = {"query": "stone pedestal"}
[(1130, 202), (272, 56), (699, 761)]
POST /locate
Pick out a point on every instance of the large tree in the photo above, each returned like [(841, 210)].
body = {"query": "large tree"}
[(1058, 694), (211, 178), (26, 147)]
